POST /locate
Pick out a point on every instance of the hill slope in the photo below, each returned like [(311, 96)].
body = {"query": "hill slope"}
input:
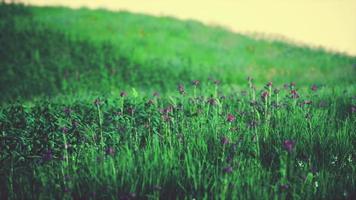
[(50, 50)]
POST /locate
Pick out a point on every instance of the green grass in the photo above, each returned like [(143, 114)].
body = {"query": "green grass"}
[(67, 133)]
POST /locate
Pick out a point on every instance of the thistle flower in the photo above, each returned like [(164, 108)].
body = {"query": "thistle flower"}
[(181, 89), (294, 94), (166, 118), (230, 118), (288, 145), (211, 101), (110, 151), (46, 156), (284, 187), (123, 94), (353, 109), (67, 111), (224, 140), (264, 95), (64, 130), (75, 124), (323, 104), (130, 110), (66, 190), (196, 83), (269, 84), (286, 86), (314, 88), (167, 110), (217, 82), (228, 170), (155, 94), (97, 102)]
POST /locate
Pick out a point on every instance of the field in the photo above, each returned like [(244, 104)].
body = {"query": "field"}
[(114, 105)]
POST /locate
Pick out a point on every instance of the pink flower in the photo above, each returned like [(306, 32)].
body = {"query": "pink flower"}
[(230, 118), (314, 88), (228, 170), (110, 151), (123, 94), (224, 140), (288, 145), (264, 95), (294, 94)]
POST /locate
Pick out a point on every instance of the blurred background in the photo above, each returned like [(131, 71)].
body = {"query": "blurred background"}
[(327, 23)]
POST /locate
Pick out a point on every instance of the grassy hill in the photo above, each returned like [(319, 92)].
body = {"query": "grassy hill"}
[(51, 50)]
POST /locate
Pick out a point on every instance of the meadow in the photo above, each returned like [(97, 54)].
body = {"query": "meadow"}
[(115, 105)]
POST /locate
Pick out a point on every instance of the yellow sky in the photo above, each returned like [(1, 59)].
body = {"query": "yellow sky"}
[(327, 23)]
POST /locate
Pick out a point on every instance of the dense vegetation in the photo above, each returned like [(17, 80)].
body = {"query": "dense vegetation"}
[(114, 105)]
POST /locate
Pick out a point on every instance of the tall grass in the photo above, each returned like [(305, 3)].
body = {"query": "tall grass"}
[(191, 145)]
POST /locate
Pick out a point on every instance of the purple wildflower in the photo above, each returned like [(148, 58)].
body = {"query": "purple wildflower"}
[(269, 84), (227, 170), (167, 110), (67, 111), (286, 86), (75, 124), (130, 110), (217, 82), (323, 104), (230, 118), (155, 94), (264, 95), (67, 177), (166, 118), (110, 151), (224, 140), (353, 109), (196, 83), (314, 88), (64, 130), (47, 155), (211, 101), (288, 145), (294, 94), (123, 94), (181, 89), (97, 102), (284, 187)]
